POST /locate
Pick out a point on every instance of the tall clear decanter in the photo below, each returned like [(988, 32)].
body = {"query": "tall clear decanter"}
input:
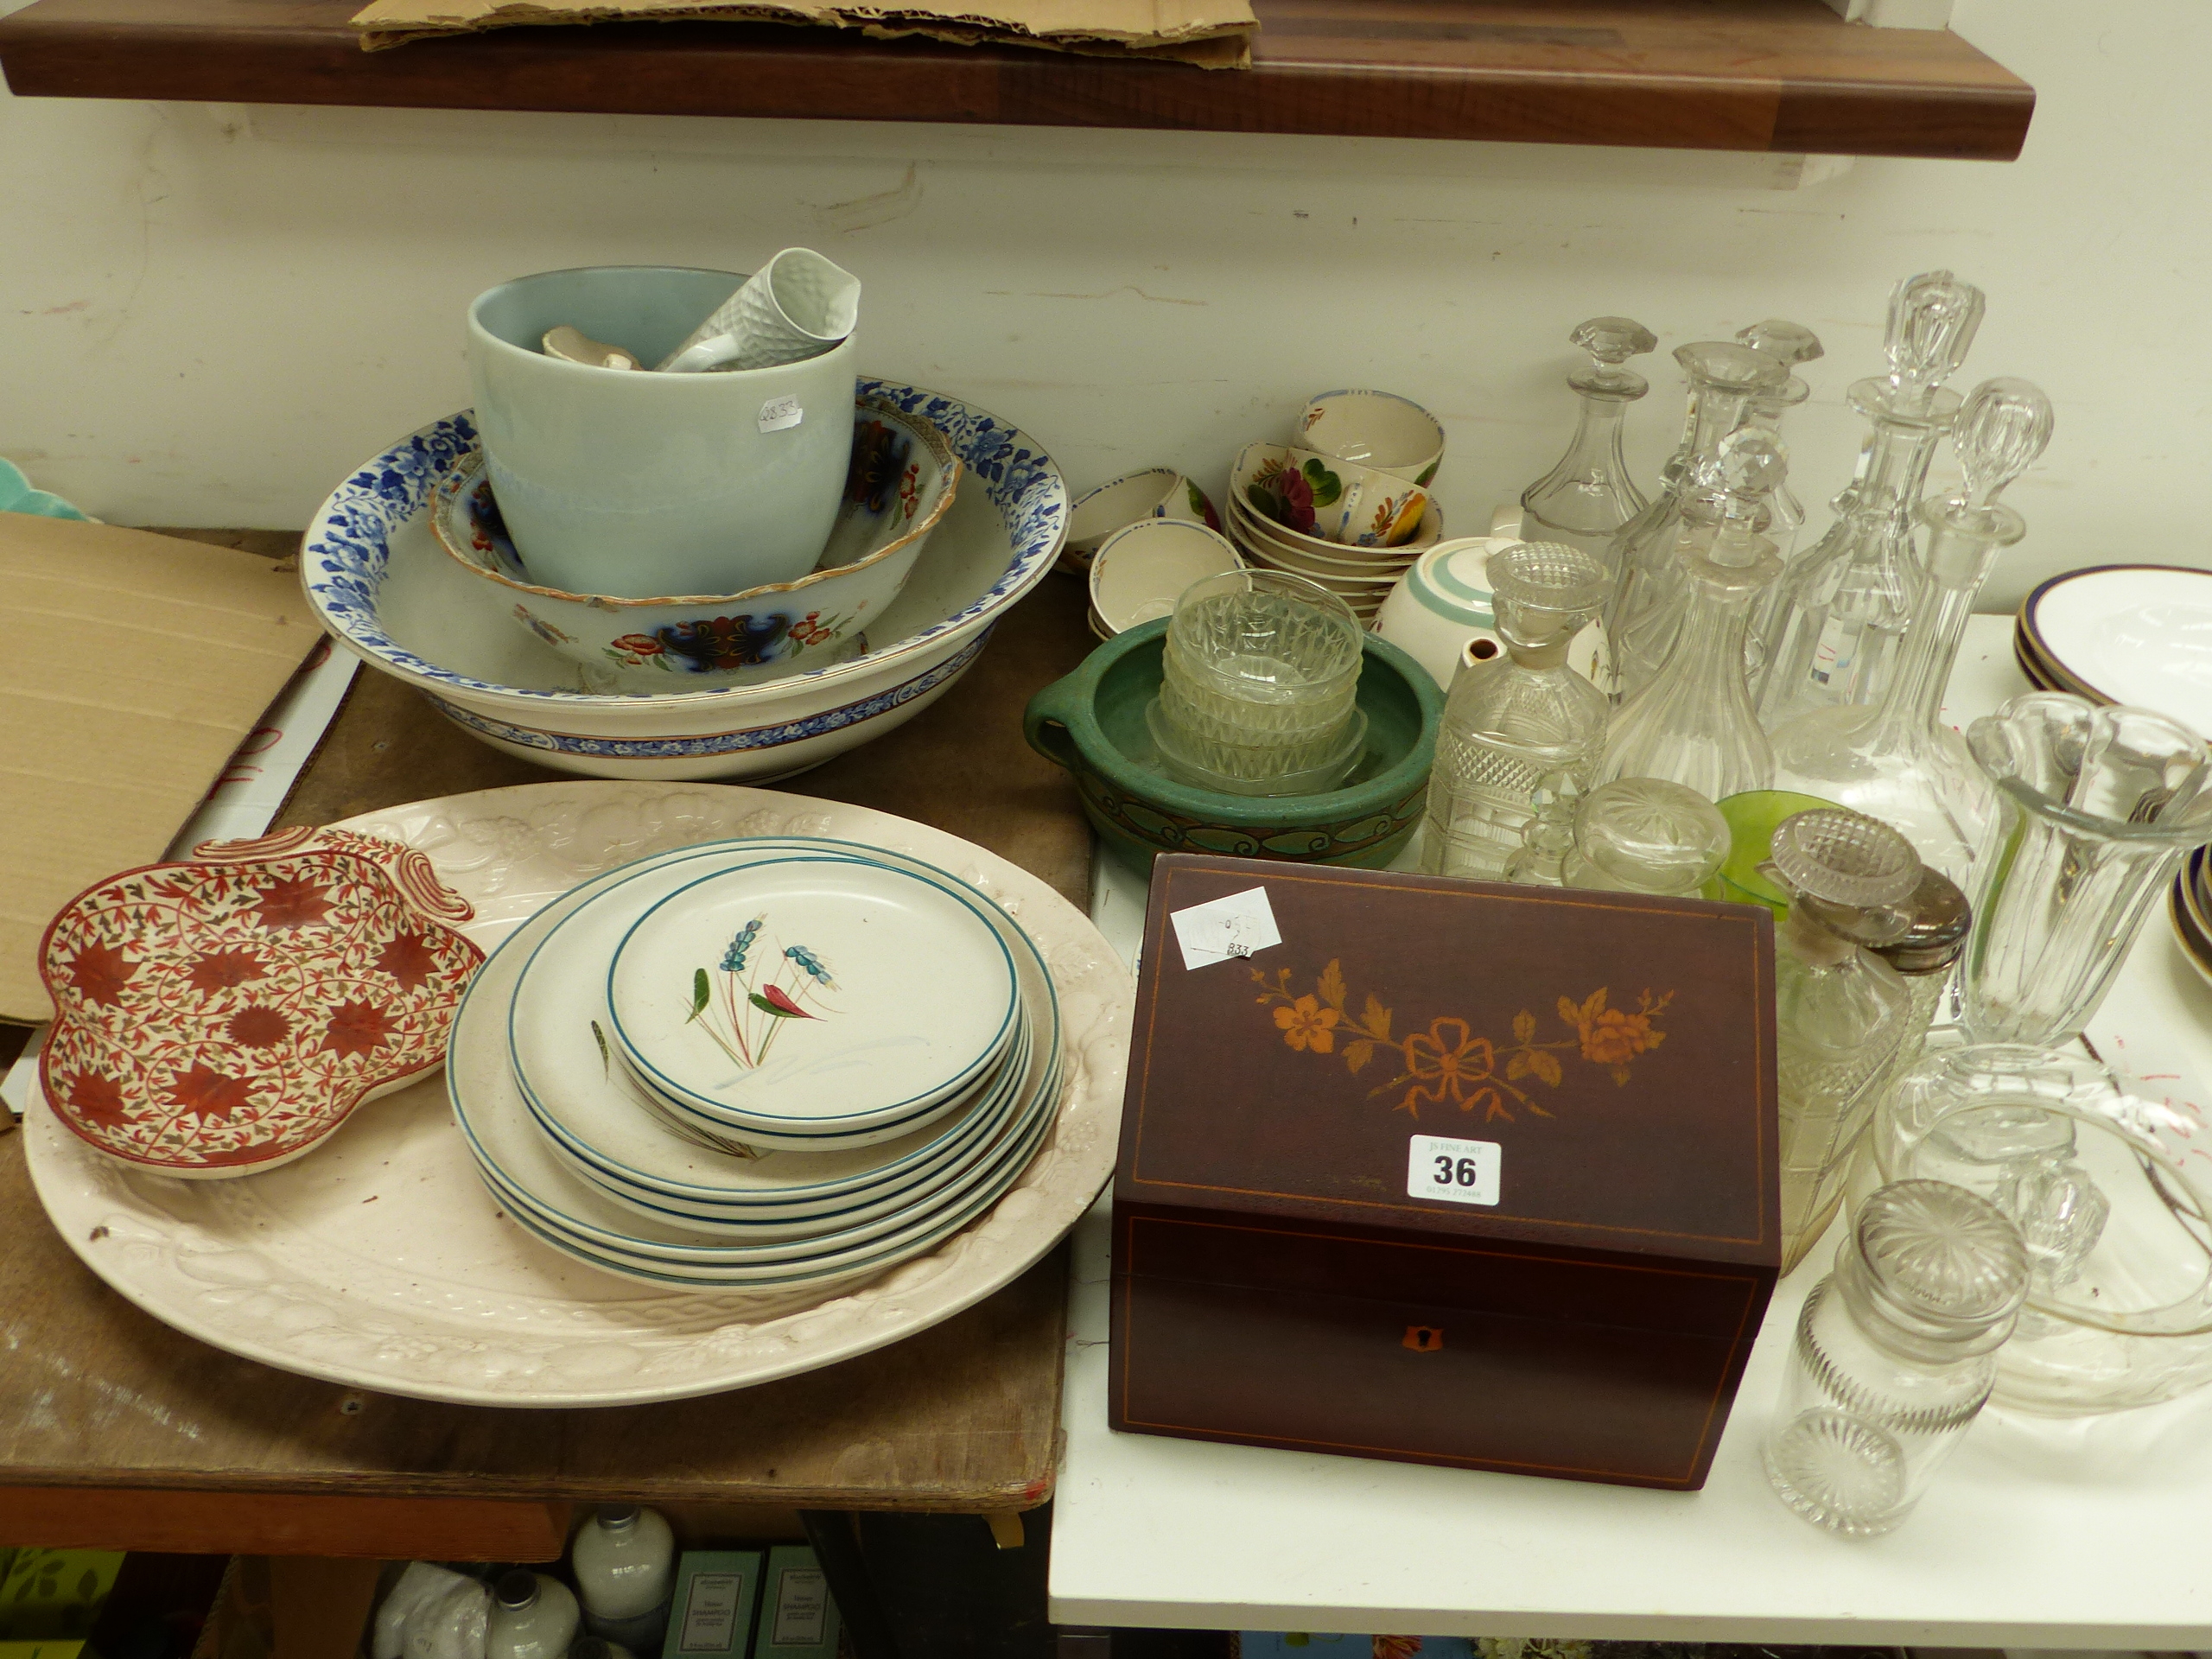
[(1833, 636), (1585, 499), (1840, 1010), (1653, 591), (1788, 344), (1522, 721), (1692, 723), (1898, 761)]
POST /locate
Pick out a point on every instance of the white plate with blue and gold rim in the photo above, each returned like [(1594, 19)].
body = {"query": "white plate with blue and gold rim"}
[(2139, 634), (812, 997), (577, 1086)]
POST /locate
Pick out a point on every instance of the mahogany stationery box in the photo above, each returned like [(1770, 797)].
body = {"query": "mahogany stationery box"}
[(1445, 1171)]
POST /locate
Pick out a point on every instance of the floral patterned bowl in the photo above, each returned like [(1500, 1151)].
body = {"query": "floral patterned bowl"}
[(1379, 430), (1332, 503), (222, 1017), (899, 487)]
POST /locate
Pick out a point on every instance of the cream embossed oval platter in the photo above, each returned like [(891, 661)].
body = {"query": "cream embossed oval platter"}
[(382, 1262)]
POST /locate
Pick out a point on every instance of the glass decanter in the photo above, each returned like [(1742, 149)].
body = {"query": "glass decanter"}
[(1788, 344), (1840, 1012), (1898, 761), (1692, 723), (1585, 499), (1833, 636), (1894, 1355), (1520, 721), (1653, 589)]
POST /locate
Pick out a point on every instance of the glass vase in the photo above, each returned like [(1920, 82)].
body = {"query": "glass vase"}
[(2095, 810)]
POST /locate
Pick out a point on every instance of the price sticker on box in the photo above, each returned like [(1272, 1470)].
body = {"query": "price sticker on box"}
[(1455, 1171)]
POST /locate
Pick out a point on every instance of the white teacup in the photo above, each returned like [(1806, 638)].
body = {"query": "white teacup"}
[(633, 483), (1155, 493)]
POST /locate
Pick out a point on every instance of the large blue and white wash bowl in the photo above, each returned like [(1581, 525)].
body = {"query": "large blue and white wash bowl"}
[(382, 586)]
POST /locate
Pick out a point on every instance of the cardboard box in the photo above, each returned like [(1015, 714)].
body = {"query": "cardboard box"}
[(799, 1616), (130, 666), (1211, 33), (710, 1615), (1445, 1171)]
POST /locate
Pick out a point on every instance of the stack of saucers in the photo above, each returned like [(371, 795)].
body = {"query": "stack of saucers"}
[(2189, 906), (774, 1062)]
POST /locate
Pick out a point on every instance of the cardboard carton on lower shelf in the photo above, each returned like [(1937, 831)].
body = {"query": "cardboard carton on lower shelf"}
[(710, 1614), (798, 1619)]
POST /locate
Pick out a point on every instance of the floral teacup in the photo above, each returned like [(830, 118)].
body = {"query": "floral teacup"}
[(1320, 495)]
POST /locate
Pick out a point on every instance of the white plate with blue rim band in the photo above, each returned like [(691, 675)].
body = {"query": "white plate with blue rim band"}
[(624, 1250), (587, 1101), (823, 1272), (2135, 634), (517, 1161), (813, 996), (997, 1100)]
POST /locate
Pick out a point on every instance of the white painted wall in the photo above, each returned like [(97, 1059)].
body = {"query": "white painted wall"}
[(209, 315)]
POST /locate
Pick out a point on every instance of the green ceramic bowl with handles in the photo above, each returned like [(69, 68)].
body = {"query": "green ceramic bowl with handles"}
[(1092, 722)]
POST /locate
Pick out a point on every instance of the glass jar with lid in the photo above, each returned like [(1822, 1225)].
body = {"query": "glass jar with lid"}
[(1895, 1354)]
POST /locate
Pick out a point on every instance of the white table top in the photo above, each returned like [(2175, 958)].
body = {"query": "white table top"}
[(2082, 1533)]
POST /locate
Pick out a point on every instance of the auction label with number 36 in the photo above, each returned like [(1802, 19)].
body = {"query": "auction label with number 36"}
[(1458, 1172)]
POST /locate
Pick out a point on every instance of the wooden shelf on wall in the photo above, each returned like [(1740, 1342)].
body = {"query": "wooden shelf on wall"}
[(1786, 75)]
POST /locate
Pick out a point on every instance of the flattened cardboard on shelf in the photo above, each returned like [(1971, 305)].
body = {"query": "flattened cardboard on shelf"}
[(130, 666), (1211, 33)]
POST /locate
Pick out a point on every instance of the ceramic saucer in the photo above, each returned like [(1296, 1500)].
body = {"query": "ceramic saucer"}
[(812, 997)]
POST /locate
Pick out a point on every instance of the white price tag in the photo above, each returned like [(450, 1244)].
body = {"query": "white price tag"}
[(1456, 1172), (1222, 930), (781, 413)]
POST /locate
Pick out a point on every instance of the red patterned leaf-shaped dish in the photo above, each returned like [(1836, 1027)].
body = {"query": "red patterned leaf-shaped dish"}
[(223, 1016)]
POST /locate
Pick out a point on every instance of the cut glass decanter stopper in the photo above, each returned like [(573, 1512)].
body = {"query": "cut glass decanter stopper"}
[(1692, 723), (1833, 636), (1725, 377), (1585, 499), (1520, 718), (1899, 761)]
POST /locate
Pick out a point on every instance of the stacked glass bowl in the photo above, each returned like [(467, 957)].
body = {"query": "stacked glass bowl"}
[(1260, 677)]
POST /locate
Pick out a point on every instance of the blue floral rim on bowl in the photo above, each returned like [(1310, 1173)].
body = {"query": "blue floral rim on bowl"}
[(344, 557)]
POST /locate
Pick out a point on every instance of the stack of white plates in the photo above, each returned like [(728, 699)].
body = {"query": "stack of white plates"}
[(761, 1063), (2139, 634)]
